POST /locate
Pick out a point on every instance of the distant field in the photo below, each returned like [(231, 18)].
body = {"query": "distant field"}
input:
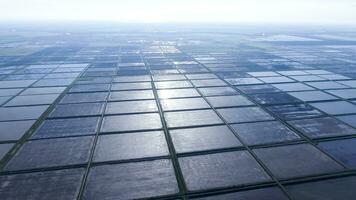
[(18, 51)]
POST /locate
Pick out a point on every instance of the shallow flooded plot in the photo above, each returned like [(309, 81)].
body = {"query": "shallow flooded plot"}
[(312, 96), (203, 138), (4, 149), (307, 78), (264, 132), (3, 100), (276, 79), (247, 114), (350, 83), (343, 150), (14, 130), (132, 122), (256, 89), (216, 91), (76, 110), (297, 111), (126, 107), (337, 188), (348, 119), (135, 180), (67, 127), (344, 93), (131, 86), (61, 184), (43, 90), (296, 161), (90, 88), (229, 101), (274, 98), (336, 108), (173, 84), (9, 92), (208, 82), (327, 85), (53, 82), (51, 153), (84, 97), (177, 93), (130, 146), (32, 100), (221, 170), (21, 113), (16, 84), (192, 118), (131, 95), (243, 81), (322, 127), (291, 87), (184, 104)]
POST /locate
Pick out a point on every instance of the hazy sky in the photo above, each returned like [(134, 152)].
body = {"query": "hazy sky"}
[(290, 11)]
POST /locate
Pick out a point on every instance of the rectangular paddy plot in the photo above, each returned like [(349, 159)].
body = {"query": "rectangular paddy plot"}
[(14, 130), (132, 122), (67, 127), (61, 184), (127, 107), (192, 118), (77, 110), (135, 180), (248, 114), (130, 146), (146, 114), (296, 160), (221, 170), (28, 100), (342, 150), (203, 138), (339, 188), (21, 112), (51, 153), (264, 132), (322, 127)]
